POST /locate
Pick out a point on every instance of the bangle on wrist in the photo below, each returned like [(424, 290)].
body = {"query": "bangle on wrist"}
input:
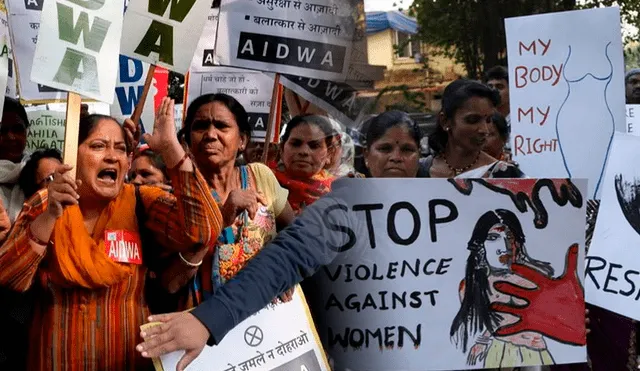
[(194, 265), (35, 239), (184, 158)]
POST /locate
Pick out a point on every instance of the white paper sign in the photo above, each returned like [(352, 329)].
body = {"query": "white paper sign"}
[(288, 36), (77, 48), (419, 277), (612, 278), (5, 53), (252, 89), (278, 338), (131, 78), (566, 86), (24, 23), (164, 33), (204, 57), (633, 119), (46, 130)]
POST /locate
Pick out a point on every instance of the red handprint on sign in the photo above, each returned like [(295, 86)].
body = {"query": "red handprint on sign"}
[(555, 308)]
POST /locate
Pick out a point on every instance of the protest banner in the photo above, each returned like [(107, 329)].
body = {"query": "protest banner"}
[(280, 337), (5, 52), (416, 282), (289, 36), (633, 119), (129, 90), (46, 130), (251, 88), (204, 56), (24, 24), (612, 278), (88, 68), (339, 99), (164, 33), (564, 110)]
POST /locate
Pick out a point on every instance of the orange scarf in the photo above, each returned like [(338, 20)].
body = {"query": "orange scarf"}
[(304, 192), (80, 259)]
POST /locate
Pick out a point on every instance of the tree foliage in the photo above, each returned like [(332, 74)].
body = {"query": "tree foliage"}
[(473, 34)]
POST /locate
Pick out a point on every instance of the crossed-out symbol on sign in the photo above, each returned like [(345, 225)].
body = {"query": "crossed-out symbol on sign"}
[(253, 336)]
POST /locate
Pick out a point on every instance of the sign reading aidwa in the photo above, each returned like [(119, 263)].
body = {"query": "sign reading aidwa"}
[(24, 23), (204, 56), (280, 337), (5, 44), (566, 89), (78, 45), (251, 88), (302, 38), (164, 32), (129, 87)]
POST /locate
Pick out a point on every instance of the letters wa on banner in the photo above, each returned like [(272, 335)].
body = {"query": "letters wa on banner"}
[(251, 88), (566, 91), (164, 33), (89, 66), (290, 37), (131, 78), (24, 23), (416, 285), (612, 277), (280, 337)]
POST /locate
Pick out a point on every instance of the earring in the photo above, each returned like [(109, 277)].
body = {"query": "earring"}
[(446, 129)]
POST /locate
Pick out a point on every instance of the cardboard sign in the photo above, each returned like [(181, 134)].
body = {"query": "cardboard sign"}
[(633, 119), (46, 130), (566, 88), (252, 89), (289, 36), (131, 78), (88, 67), (123, 246), (280, 337), (164, 33), (414, 284), (204, 56), (5, 53)]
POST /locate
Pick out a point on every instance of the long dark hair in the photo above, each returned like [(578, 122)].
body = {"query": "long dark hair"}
[(474, 315)]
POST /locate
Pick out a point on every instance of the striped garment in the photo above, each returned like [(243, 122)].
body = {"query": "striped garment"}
[(80, 329)]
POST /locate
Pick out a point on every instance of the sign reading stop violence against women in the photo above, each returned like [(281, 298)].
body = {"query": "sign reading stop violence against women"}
[(566, 88)]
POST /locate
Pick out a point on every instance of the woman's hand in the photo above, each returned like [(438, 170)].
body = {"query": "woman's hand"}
[(164, 140), (240, 200), (178, 331), (63, 191), (477, 354)]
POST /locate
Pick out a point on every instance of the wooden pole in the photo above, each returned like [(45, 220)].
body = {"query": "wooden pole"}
[(137, 112), (71, 130), (272, 117)]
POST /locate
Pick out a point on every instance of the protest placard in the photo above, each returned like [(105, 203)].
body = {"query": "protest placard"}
[(5, 52), (612, 278), (280, 337), (288, 36), (129, 86), (251, 88), (164, 33), (416, 280), (633, 119), (204, 56), (564, 110), (24, 23), (88, 67), (339, 99), (46, 130)]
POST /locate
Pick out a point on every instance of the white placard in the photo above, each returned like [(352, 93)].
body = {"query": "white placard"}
[(278, 338), (46, 130), (288, 36), (5, 53), (164, 33), (612, 273), (24, 23), (633, 119), (77, 47), (204, 57), (566, 86), (252, 89), (424, 263), (132, 75)]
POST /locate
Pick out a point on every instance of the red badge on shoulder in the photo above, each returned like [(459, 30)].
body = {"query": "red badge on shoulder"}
[(123, 246)]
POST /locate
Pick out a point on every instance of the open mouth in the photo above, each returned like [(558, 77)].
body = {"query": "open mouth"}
[(108, 176), (504, 259)]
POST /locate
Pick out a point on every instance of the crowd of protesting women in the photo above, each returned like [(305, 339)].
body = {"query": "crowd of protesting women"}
[(203, 212)]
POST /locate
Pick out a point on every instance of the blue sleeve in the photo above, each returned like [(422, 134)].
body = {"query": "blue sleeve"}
[(314, 239)]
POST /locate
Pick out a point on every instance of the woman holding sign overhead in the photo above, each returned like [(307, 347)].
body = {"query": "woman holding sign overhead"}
[(78, 244)]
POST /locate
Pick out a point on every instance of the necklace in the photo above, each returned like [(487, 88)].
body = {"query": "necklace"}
[(458, 171)]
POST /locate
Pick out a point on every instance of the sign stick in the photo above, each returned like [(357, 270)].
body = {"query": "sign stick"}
[(137, 112), (272, 117), (71, 131)]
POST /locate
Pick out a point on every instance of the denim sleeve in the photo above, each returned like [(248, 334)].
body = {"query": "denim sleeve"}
[(314, 239)]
